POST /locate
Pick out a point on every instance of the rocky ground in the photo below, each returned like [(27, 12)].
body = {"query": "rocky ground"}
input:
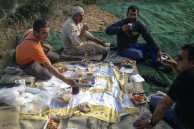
[(96, 18)]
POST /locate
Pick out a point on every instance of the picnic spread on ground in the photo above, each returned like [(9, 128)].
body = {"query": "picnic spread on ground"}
[(107, 92)]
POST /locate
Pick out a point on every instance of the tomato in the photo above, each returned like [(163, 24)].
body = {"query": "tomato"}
[(85, 82), (137, 97)]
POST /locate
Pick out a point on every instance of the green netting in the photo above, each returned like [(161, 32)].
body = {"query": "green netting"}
[(170, 23)]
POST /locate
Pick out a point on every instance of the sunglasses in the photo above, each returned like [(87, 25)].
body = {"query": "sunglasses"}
[(180, 58)]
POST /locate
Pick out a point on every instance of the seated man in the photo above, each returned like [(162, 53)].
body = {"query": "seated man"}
[(128, 31), (177, 106), (31, 57), (77, 40)]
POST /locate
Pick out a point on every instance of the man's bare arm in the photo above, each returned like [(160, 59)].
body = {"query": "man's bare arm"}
[(57, 74), (161, 109), (94, 39)]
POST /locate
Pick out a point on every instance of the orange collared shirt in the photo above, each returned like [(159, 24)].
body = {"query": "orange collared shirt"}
[(29, 51)]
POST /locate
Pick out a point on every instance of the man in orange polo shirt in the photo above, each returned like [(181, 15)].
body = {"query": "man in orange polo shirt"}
[(31, 57)]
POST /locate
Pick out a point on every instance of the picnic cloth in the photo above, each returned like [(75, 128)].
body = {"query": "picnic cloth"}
[(106, 96)]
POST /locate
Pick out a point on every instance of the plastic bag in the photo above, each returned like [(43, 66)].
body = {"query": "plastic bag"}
[(11, 96), (64, 96)]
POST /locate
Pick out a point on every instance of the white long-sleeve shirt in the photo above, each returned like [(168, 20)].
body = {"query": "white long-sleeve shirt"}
[(70, 34)]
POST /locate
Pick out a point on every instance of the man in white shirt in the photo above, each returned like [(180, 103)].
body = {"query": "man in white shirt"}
[(77, 40)]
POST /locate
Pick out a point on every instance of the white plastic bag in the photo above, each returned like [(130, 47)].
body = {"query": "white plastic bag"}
[(64, 96), (11, 96)]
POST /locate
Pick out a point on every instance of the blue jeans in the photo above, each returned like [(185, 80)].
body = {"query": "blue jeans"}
[(170, 116), (137, 51)]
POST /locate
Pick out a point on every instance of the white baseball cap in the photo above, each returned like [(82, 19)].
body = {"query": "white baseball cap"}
[(77, 9)]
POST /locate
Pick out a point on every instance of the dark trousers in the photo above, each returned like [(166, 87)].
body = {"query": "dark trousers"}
[(138, 51), (38, 70)]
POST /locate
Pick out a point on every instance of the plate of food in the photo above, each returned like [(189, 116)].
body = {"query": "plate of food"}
[(86, 82), (62, 69), (139, 98), (85, 62), (128, 63)]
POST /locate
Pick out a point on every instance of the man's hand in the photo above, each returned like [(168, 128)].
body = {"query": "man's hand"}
[(70, 81), (57, 74), (126, 27), (141, 124), (169, 60), (48, 47), (103, 43), (159, 54), (172, 63), (84, 29)]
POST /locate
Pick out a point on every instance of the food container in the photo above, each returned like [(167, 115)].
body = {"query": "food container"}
[(85, 62), (89, 73), (62, 69), (86, 82), (128, 63), (138, 99)]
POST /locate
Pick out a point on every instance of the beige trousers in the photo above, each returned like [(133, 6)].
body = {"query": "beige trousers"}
[(88, 48)]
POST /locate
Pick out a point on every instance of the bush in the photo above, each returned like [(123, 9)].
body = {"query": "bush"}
[(30, 7), (7, 4), (90, 1)]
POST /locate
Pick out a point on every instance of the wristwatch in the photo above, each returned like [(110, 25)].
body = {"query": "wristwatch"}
[(150, 122)]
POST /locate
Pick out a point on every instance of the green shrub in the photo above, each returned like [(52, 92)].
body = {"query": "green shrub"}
[(7, 4), (28, 8), (90, 1)]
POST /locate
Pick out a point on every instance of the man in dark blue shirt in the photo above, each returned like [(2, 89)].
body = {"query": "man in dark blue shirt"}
[(128, 31)]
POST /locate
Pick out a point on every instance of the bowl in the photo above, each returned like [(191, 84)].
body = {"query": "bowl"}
[(139, 98), (85, 62), (89, 73), (86, 82), (128, 63), (62, 69)]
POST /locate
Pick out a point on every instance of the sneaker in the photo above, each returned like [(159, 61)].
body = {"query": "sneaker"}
[(162, 67)]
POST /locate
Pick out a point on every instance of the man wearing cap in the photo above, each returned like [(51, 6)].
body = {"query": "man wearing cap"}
[(77, 40)]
